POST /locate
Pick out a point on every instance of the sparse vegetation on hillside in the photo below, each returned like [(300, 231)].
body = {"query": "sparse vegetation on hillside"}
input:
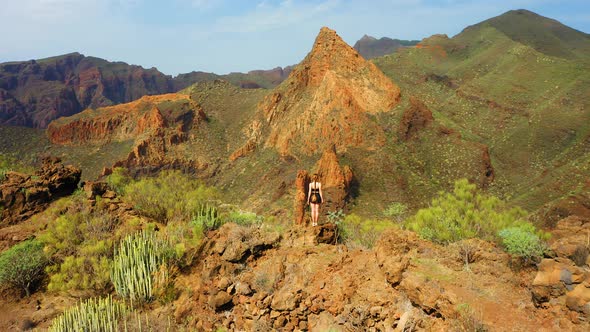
[(466, 213)]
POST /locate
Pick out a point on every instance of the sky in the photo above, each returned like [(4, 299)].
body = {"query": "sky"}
[(222, 36)]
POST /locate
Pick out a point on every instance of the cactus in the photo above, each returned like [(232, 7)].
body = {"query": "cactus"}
[(207, 218), (136, 261), (91, 315)]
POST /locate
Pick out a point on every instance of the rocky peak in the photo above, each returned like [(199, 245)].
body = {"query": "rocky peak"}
[(325, 101)]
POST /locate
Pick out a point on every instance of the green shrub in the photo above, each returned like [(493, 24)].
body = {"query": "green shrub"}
[(22, 265), (357, 231), (522, 242), (79, 240), (119, 179), (464, 213), (169, 196), (396, 210), (244, 218), (137, 259), (91, 315)]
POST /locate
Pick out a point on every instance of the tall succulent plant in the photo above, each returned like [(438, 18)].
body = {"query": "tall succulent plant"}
[(92, 315), (138, 257)]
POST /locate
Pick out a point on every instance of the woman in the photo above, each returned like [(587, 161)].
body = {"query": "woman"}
[(315, 198)]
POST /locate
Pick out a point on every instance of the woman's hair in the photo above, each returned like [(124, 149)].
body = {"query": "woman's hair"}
[(315, 177)]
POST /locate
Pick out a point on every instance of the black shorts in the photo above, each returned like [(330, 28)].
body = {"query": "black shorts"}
[(318, 199)]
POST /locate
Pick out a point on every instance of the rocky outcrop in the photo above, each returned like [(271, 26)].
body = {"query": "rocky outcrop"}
[(144, 117), (154, 124), (415, 118), (326, 101), (564, 281), (33, 93), (336, 180), (300, 201), (22, 195)]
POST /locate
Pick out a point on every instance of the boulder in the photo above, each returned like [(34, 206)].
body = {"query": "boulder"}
[(429, 295), (579, 298), (554, 278)]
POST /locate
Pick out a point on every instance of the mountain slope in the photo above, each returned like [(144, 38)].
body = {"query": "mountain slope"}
[(371, 47), (531, 108), (543, 34)]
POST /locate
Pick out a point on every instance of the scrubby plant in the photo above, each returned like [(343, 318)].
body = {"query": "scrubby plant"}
[(357, 231), (79, 241), (464, 213), (22, 265), (170, 196), (137, 259), (522, 242), (119, 179), (396, 211), (92, 315), (244, 218)]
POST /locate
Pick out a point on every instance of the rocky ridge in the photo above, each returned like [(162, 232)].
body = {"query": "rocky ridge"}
[(328, 99)]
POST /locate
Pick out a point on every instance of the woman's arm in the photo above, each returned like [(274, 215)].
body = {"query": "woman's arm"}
[(308, 193)]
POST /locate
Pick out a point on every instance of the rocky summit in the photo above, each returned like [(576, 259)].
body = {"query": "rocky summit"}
[(325, 100)]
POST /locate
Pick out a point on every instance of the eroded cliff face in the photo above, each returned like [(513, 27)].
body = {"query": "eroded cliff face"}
[(155, 124), (143, 117), (35, 92), (327, 100)]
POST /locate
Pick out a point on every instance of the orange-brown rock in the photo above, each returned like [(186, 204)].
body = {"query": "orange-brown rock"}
[(327, 99), (570, 238), (336, 180), (415, 118), (125, 121), (245, 150), (300, 201), (22, 196)]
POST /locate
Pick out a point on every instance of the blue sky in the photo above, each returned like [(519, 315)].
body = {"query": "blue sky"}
[(222, 36)]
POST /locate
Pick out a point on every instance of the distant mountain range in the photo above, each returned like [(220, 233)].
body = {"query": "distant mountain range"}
[(35, 92)]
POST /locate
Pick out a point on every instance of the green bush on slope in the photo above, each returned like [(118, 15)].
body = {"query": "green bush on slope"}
[(169, 196), (22, 265), (79, 241), (464, 213)]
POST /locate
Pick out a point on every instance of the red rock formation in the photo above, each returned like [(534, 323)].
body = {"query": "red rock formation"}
[(122, 122), (415, 118), (22, 196), (336, 180), (300, 201), (326, 100)]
